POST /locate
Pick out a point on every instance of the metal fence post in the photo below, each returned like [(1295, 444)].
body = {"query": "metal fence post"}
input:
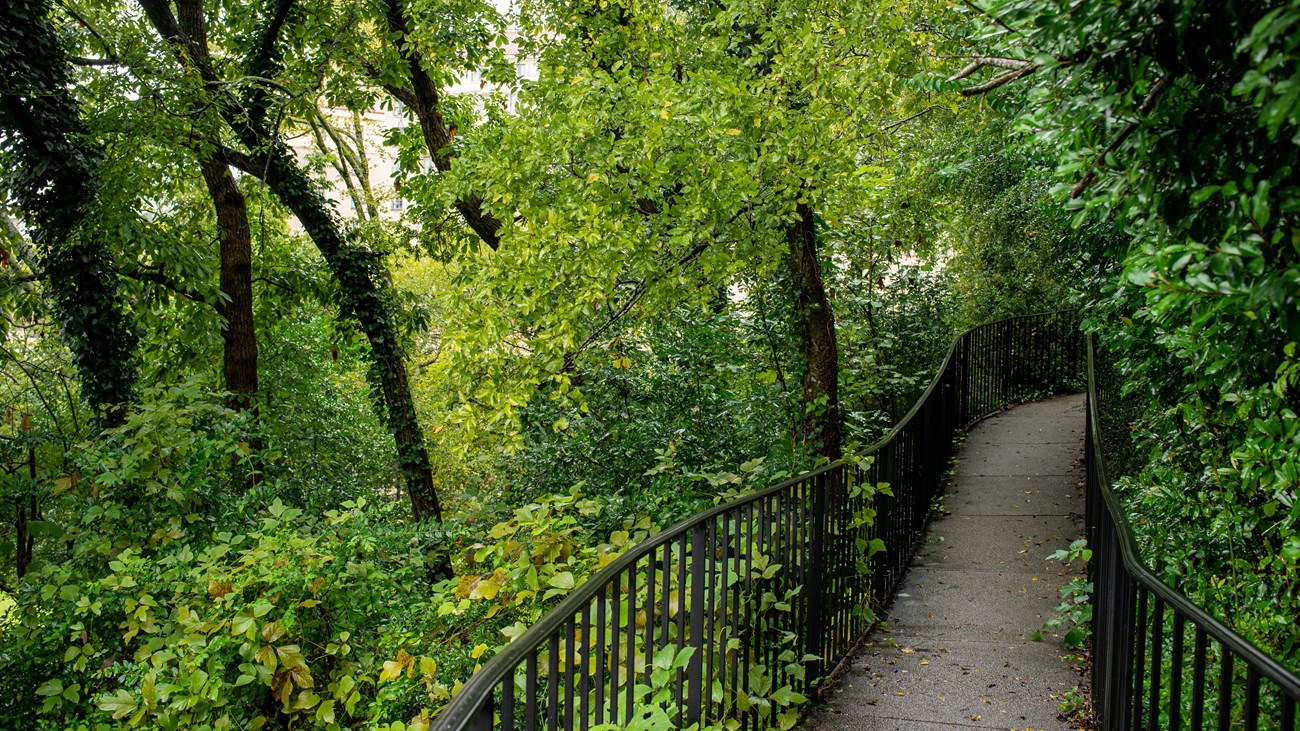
[(694, 670), (816, 641)]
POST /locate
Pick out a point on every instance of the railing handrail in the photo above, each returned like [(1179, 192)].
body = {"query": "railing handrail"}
[(980, 375), (1131, 555), (461, 709)]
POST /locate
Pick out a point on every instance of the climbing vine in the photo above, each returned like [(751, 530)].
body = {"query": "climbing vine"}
[(53, 177)]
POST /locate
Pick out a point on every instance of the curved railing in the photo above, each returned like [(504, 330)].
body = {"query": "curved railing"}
[(740, 610), (1146, 674)]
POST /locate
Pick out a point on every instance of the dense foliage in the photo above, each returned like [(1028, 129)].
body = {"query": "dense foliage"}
[(1180, 122), (707, 245)]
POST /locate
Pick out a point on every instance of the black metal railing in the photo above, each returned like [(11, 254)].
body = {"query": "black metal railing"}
[(1158, 660), (736, 612)]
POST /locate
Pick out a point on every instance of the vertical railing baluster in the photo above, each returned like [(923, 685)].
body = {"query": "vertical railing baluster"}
[(710, 640), (508, 703), (681, 615), (816, 578), (1139, 657), (629, 682), (1157, 654), (530, 692), (694, 686), (1225, 689), (482, 718), (584, 665), (615, 639), (1176, 673), (602, 608), (553, 683), (569, 657), (1252, 699), (652, 564), (665, 603), (1200, 650)]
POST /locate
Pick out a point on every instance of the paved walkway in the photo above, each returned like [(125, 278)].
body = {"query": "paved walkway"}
[(957, 651)]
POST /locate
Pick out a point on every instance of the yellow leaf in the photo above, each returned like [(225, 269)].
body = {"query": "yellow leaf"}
[(485, 589), (478, 651), (392, 671), (733, 131), (266, 656), (273, 631)]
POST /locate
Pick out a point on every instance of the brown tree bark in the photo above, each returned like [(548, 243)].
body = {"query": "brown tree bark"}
[(239, 367), (239, 364), (235, 241), (821, 423)]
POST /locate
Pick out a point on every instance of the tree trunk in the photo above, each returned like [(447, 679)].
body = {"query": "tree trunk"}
[(235, 240), (820, 424), (423, 99), (239, 367), (239, 364), (361, 283)]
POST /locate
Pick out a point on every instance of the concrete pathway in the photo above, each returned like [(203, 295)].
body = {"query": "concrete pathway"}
[(956, 652)]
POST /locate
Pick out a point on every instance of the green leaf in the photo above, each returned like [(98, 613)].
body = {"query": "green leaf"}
[(121, 704)]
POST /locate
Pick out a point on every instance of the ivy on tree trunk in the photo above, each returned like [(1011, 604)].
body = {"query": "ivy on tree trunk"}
[(820, 424), (54, 182)]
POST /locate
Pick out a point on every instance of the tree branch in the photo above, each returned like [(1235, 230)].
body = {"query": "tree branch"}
[(1000, 81), (425, 103), (159, 277), (82, 61), (1148, 104), (905, 120), (638, 292), (267, 58), (980, 62)]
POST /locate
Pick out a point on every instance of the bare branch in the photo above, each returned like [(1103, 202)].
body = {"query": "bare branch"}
[(81, 61), (979, 62), (905, 120), (1000, 81)]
